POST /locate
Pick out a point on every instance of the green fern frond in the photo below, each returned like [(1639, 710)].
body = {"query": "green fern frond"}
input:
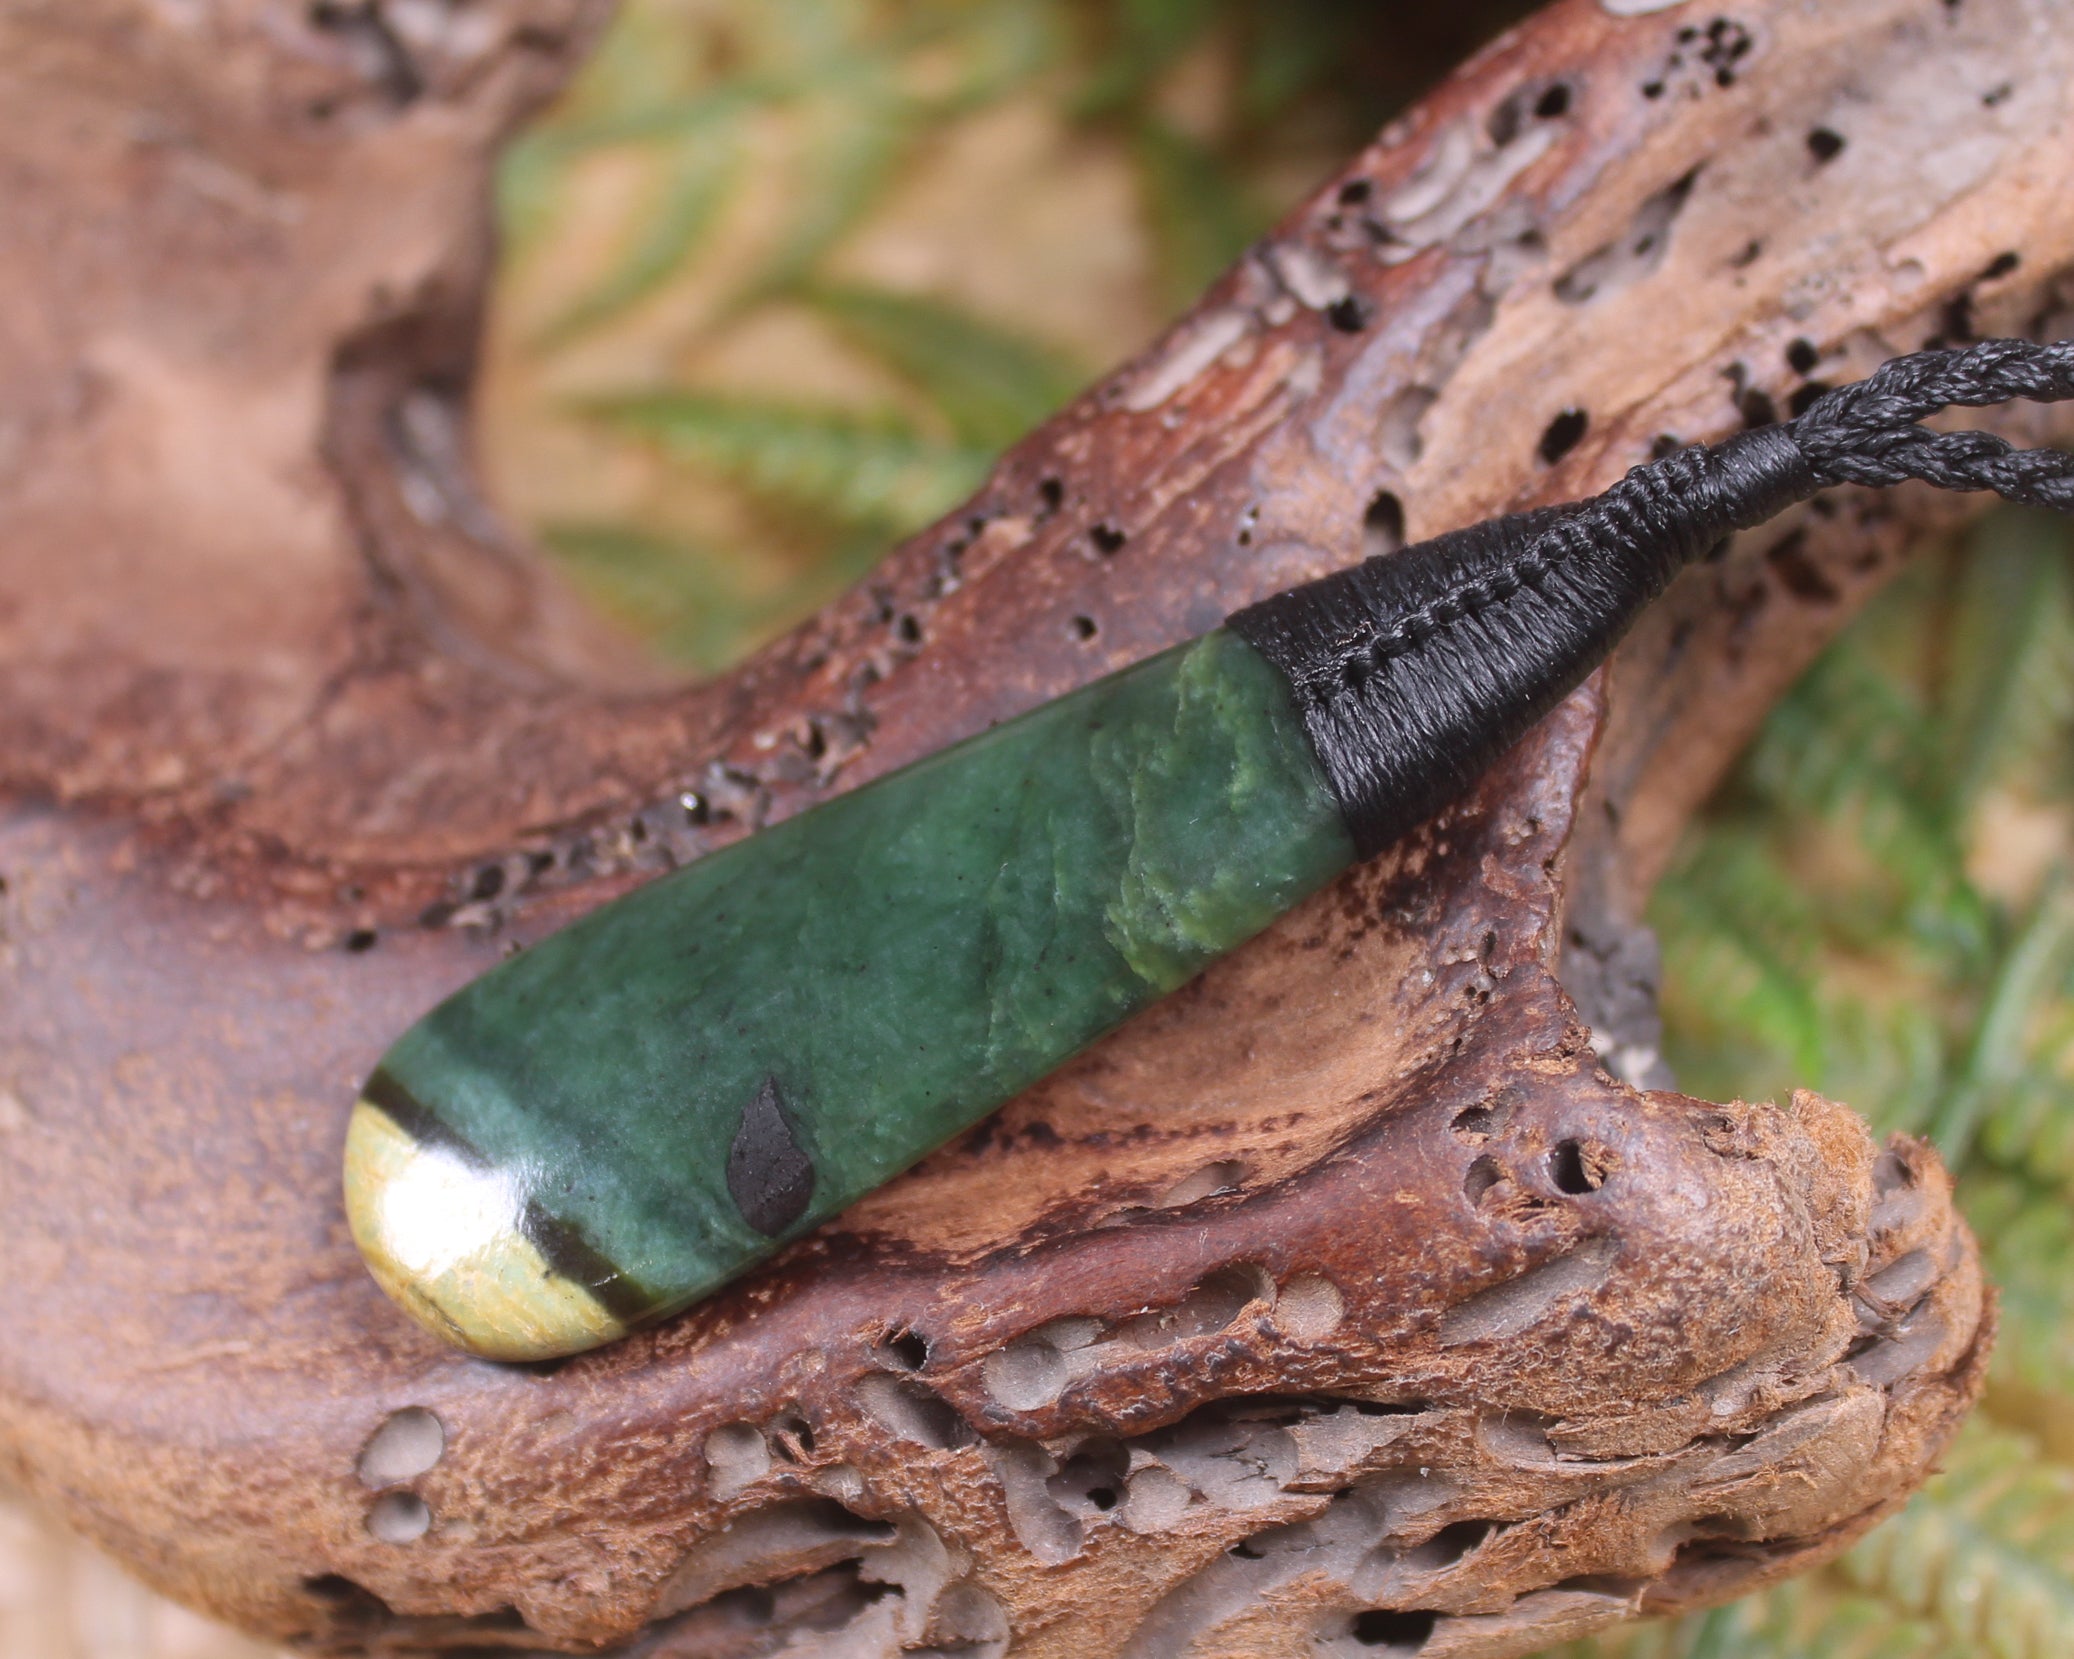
[(576, 137), (699, 171), (990, 384), (2032, 972), (1846, 728), (1821, 1620), (1852, 750), (1814, 1618), (1943, 1010), (1889, 1060), (861, 470), (1739, 941), (691, 602), (1001, 46), (697, 605), (2010, 689), (832, 99), (1986, 1551), (1748, 1022), (528, 185), (2026, 1234), (2028, 1126), (851, 148), (647, 61), (807, 36)]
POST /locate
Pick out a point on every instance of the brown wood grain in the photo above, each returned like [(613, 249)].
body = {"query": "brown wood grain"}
[(294, 738)]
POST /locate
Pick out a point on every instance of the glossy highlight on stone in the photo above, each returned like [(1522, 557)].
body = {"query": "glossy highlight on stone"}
[(638, 1108)]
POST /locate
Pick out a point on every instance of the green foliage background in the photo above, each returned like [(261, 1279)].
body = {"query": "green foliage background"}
[(717, 387), (1875, 907)]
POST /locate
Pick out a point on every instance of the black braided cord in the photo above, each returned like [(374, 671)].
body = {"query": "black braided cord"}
[(1415, 670), (1866, 434)]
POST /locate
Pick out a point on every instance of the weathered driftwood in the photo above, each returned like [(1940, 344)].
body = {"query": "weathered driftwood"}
[(1344, 1300)]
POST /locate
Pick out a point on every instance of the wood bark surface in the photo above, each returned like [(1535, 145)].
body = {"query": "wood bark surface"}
[(1348, 1302)]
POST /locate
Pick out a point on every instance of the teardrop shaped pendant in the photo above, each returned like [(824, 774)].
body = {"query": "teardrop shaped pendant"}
[(639, 1108)]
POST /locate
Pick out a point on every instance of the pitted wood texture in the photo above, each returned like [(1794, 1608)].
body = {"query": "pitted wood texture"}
[(1357, 1204)]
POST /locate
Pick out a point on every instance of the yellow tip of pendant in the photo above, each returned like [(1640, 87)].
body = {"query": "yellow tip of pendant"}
[(442, 1238)]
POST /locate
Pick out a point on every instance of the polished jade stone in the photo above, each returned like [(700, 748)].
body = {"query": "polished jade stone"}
[(672, 1087)]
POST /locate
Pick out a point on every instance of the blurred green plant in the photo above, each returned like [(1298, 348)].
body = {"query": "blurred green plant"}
[(804, 117), (1877, 907), (1872, 908)]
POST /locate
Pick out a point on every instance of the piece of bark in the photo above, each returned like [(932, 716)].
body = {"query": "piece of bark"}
[(1343, 1299)]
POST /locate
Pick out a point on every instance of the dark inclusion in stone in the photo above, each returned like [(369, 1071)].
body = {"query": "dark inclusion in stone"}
[(770, 1179)]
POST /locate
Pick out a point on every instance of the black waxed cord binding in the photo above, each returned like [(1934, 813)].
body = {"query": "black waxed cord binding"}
[(1415, 670)]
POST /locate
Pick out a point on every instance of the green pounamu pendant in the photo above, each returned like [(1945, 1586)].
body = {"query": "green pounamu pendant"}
[(613, 1123), (631, 1113)]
